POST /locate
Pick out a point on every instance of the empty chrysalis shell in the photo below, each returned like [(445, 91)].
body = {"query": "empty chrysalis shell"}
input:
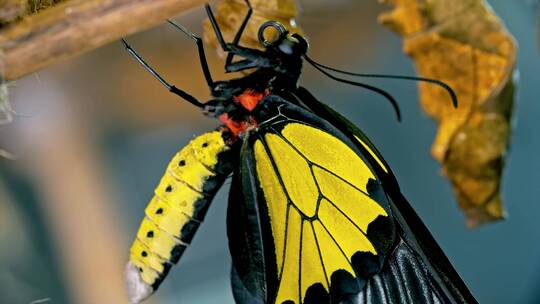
[(231, 13)]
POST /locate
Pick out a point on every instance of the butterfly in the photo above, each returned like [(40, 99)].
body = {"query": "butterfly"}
[(315, 214)]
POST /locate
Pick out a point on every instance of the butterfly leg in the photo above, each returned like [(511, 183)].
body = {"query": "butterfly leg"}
[(173, 89), (200, 48), (239, 33), (217, 30), (254, 58)]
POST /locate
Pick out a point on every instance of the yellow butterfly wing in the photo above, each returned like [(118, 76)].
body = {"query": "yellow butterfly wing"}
[(316, 191)]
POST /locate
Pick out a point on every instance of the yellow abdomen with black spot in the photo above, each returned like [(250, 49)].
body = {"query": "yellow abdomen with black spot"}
[(175, 212)]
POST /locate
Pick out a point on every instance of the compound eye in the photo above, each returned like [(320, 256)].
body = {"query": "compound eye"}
[(271, 32)]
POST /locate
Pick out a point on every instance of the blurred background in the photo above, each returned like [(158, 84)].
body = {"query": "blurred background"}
[(93, 135)]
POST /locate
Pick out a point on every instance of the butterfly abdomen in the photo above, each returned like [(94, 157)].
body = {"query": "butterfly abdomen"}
[(175, 212)]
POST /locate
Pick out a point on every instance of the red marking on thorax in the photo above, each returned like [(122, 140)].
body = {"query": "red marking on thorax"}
[(250, 98), (237, 127)]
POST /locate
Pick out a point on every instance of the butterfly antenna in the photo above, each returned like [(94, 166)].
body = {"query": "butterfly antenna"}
[(389, 97), (423, 79)]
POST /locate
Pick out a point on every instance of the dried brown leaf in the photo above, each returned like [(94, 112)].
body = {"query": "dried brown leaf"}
[(231, 13), (463, 43)]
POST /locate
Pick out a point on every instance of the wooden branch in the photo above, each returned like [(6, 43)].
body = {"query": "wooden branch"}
[(77, 26), (11, 10)]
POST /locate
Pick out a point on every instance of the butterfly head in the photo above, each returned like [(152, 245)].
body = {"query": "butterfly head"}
[(282, 42)]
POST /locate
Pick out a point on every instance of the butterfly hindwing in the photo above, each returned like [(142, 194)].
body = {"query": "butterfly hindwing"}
[(245, 234)]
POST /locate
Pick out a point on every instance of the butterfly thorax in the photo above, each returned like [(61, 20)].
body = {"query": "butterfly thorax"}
[(239, 116), (276, 71), (237, 102)]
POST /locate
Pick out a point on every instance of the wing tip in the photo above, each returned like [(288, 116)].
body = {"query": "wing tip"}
[(137, 289)]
